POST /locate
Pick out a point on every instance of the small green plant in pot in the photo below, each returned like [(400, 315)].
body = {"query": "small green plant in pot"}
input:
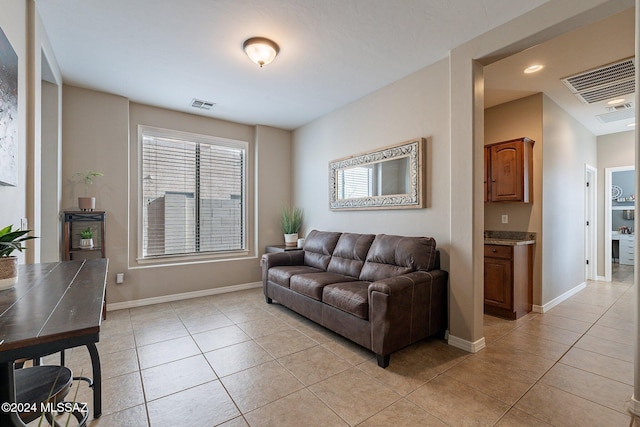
[(86, 238), (291, 221), (87, 203), (10, 240)]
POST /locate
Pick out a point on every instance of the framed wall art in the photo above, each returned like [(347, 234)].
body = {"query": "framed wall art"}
[(8, 112), (387, 178)]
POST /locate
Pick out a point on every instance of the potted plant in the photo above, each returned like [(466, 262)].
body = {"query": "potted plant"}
[(86, 238), (10, 240), (291, 222), (87, 203)]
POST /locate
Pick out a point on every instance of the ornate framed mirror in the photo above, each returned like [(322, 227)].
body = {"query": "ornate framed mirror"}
[(388, 178)]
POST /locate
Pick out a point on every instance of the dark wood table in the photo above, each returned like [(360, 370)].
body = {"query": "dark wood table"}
[(53, 307), (280, 248)]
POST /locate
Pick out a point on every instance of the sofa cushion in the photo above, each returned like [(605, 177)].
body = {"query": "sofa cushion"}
[(350, 252), (352, 297), (281, 275), (394, 255), (318, 247), (311, 284)]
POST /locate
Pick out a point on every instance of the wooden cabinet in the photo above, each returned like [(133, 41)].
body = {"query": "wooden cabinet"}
[(509, 171), (508, 290)]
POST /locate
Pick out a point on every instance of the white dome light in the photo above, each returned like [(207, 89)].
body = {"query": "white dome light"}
[(261, 50)]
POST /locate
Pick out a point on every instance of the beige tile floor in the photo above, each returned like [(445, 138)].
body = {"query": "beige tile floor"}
[(233, 360)]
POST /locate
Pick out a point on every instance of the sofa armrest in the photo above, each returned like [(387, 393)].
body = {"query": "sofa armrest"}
[(275, 259), (407, 308)]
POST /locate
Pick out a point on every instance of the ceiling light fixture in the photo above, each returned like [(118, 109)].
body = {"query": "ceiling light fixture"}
[(261, 50), (533, 69), (615, 101)]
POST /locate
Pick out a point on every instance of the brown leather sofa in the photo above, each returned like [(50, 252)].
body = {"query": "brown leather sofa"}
[(383, 292)]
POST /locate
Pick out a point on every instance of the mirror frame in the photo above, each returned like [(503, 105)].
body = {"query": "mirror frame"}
[(414, 199)]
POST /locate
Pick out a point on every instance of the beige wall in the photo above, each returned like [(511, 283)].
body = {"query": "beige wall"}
[(512, 120), (568, 147), (95, 137), (615, 150), (100, 133), (416, 106), (273, 182)]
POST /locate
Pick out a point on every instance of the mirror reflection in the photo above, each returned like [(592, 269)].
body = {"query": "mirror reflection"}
[(387, 178), (377, 179)]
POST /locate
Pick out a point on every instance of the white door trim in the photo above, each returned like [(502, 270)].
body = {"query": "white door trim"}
[(591, 222)]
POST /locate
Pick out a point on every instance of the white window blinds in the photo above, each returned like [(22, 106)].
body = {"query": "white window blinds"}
[(355, 182), (193, 194)]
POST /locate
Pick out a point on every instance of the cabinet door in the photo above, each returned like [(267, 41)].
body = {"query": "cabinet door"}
[(498, 286), (507, 178), (626, 249)]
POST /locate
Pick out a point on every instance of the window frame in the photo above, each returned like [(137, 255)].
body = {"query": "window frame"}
[(170, 259)]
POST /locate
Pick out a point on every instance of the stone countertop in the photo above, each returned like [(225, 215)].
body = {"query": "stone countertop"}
[(508, 242), (509, 238)]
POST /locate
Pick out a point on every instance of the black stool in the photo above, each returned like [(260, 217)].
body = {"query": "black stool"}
[(39, 385)]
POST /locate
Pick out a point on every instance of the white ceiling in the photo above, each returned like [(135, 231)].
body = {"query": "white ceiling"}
[(332, 52), (592, 46)]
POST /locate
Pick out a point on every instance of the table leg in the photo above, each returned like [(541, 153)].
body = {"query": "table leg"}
[(97, 380), (8, 394)]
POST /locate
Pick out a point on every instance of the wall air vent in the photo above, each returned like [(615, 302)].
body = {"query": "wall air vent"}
[(202, 105), (606, 82)]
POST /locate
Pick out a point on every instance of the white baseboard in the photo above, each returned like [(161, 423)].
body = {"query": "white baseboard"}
[(634, 406), (471, 347), (548, 306), (177, 297), (601, 278)]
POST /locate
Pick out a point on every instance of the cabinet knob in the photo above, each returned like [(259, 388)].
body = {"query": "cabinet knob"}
[(494, 250)]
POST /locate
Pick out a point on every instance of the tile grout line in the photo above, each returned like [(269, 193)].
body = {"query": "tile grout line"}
[(557, 362)]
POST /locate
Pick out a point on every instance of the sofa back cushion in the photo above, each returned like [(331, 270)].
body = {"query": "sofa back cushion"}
[(394, 255), (318, 247), (350, 253)]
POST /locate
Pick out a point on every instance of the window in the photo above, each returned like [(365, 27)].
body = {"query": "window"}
[(355, 182), (193, 194)]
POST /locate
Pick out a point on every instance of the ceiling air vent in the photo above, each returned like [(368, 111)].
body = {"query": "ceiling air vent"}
[(603, 83), (617, 115), (203, 105), (621, 107)]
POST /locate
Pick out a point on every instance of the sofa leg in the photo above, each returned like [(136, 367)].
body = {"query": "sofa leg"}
[(268, 300), (383, 360)]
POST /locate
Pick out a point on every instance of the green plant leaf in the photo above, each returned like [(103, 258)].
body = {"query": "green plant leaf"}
[(291, 220), (11, 240)]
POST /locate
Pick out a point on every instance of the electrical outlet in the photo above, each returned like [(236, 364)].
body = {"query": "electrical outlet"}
[(119, 278), (24, 223), (505, 219)]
